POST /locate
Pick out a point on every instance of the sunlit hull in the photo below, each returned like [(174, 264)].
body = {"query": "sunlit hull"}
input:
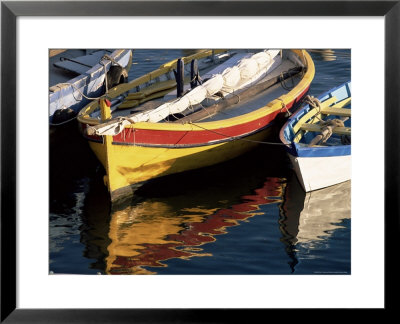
[(144, 150), (130, 166), (320, 172), (325, 163)]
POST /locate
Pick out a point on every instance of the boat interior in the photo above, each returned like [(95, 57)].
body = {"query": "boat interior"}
[(65, 65), (284, 74), (310, 127)]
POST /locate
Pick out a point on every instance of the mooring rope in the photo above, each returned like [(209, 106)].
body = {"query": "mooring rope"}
[(237, 138), (313, 103), (105, 79), (79, 90)]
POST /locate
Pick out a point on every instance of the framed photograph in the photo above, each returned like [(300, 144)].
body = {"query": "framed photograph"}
[(43, 281)]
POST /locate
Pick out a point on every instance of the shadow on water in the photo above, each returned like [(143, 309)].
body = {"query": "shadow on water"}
[(70, 161), (73, 170), (174, 216), (178, 216), (95, 227)]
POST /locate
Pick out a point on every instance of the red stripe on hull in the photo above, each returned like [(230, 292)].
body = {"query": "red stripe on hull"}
[(132, 136), (148, 136)]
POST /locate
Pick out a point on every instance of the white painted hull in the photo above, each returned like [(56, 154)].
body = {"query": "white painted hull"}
[(320, 172)]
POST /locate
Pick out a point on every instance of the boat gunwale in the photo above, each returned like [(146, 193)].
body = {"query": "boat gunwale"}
[(116, 55), (271, 107), (296, 149), (61, 91), (83, 115)]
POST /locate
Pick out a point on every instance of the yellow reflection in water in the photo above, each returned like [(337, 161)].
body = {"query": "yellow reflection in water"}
[(328, 54), (148, 233)]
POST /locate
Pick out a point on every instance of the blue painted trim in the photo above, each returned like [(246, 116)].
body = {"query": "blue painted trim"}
[(342, 92), (287, 128), (325, 151)]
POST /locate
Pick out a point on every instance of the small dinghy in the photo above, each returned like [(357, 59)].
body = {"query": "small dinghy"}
[(192, 112), (76, 77), (318, 139)]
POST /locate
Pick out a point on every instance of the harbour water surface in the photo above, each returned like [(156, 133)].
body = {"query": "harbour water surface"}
[(245, 216)]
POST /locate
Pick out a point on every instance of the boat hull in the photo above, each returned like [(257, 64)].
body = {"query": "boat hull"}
[(319, 166), (143, 151), (319, 172), (131, 166), (64, 97)]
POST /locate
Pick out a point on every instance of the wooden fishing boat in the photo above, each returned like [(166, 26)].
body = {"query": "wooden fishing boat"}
[(318, 139), (219, 108), (67, 96)]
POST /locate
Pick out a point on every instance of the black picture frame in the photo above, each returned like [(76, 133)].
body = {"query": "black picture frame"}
[(10, 10)]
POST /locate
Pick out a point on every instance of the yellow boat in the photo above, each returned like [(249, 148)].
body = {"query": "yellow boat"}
[(172, 120)]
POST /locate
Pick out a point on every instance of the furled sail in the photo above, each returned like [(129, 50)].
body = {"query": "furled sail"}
[(247, 71), (240, 71)]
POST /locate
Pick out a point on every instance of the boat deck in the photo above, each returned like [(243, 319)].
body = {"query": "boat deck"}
[(246, 104), (62, 71), (261, 99)]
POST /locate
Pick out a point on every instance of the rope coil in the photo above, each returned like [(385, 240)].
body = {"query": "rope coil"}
[(314, 103)]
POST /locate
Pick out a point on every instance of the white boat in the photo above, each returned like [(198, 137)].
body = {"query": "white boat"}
[(318, 139), (78, 75)]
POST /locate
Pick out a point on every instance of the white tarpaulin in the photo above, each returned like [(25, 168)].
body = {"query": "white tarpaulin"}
[(239, 71), (248, 70)]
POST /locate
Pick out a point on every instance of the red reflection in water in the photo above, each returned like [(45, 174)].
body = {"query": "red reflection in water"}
[(185, 242)]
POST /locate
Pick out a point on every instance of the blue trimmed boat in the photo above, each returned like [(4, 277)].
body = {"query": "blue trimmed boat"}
[(318, 139), (67, 96)]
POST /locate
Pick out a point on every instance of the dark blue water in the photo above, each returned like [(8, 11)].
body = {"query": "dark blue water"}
[(246, 216)]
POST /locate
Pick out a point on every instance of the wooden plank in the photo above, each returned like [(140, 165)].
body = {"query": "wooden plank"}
[(337, 111), (154, 88), (72, 67), (128, 104), (298, 136), (342, 103), (155, 95), (328, 102), (313, 112), (305, 118), (317, 128), (55, 52), (160, 86)]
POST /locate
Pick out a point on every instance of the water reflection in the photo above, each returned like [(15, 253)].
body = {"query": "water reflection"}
[(188, 218), (150, 232), (309, 220), (177, 217), (165, 222), (328, 55)]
